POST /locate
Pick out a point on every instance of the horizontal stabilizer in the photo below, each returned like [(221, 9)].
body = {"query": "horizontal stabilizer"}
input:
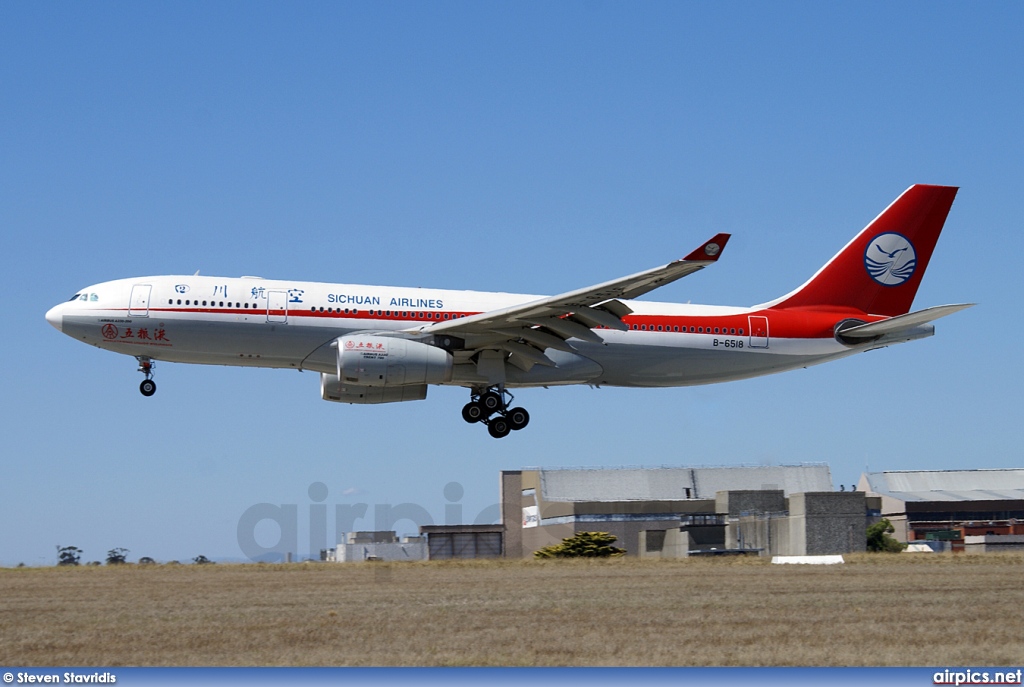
[(902, 322)]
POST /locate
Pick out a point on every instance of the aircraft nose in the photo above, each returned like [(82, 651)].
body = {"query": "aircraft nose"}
[(55, 317)]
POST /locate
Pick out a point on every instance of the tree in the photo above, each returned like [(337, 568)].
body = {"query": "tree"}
[(583, 545), (68, 555), (879, 539), (117, 556), (202, 560)]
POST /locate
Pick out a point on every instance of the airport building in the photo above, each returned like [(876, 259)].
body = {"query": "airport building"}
[(675, 512), (974, 511), (682, 511)]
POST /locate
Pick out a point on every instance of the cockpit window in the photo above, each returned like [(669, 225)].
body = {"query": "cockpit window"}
[(74, 298)]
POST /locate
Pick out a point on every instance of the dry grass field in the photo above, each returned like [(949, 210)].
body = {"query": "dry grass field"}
[(882, 610)]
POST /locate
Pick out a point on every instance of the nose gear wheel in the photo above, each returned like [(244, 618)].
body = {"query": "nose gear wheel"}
[(146, 365)]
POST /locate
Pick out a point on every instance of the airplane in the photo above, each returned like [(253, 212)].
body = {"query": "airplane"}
[(375, 344)]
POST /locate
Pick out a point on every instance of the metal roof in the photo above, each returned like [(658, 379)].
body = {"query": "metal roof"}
[(672, 483), (948, 485)]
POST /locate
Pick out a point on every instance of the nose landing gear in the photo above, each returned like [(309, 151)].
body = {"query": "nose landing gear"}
[(148, 386), (490, 407)]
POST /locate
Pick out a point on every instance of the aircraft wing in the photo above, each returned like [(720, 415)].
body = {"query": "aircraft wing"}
[(524, 331)]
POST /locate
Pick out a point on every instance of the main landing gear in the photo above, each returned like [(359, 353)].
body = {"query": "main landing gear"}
[(146, 365), (491, 408)]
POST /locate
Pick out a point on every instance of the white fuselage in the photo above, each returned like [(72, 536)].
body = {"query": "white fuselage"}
[(290, 324)]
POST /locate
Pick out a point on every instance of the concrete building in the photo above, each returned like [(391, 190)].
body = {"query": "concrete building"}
[(377, 546), (463, 541), (645, 507), (951, 505)]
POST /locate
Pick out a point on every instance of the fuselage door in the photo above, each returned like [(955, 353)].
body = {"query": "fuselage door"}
[(277, 306), (138, 304), (758, 331)]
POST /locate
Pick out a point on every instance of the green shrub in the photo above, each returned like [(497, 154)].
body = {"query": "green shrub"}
[(583, 545), (879, 539)]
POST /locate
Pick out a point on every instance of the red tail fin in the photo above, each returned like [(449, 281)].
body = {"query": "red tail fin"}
[(879, 271)]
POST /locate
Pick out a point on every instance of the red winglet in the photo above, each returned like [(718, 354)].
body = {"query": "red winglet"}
[(710, 250)]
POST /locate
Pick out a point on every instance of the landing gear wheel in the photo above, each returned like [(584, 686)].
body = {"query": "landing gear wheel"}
[(473, 412), (148, 387), (491, 402), (518, 418), (499, 428)]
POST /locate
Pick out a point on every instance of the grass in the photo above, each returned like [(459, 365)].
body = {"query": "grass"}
[(896, 609)]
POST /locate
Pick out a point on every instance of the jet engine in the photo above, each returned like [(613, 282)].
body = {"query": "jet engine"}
[(384, 361), (333, 389)]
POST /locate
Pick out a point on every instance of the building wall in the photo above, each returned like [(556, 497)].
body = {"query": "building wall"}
[(673, 543), (627, 534), (512, 512), (824, 523), (770, 532), (993, 543), (747, 502), (351, 553)]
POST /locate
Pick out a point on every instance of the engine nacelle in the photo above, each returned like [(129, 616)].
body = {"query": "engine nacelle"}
[(384, 361), (333, 389)]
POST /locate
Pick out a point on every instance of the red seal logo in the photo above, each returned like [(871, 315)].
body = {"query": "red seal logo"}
[(350, 344), (109, 331)]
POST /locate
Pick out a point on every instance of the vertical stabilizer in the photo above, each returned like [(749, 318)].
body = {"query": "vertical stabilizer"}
[(879, 271)]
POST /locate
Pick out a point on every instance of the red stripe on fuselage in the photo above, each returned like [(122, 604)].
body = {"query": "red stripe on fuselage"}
[(791, 323)]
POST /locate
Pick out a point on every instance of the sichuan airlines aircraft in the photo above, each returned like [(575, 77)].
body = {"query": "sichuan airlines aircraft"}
[(374, 344)]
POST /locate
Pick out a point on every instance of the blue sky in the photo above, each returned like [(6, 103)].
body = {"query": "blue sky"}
[(531, 147)]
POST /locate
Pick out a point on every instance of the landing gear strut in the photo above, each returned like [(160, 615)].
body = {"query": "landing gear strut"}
[(148, 386), (491, 407)]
